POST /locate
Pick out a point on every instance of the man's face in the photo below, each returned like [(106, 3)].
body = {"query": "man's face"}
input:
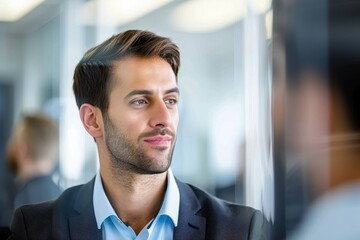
[(142, 118)]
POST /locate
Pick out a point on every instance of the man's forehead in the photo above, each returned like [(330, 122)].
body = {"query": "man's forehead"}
[(148, 75), (140, 63)]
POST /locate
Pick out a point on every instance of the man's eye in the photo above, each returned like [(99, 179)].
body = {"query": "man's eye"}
[(139, 102), (171, 101)]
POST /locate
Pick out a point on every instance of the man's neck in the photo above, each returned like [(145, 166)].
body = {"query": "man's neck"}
[(30, 168), (136, 198)]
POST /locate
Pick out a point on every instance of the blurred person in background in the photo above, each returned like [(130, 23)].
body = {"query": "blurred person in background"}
[(126, 90), (323, 124), (32, 155)]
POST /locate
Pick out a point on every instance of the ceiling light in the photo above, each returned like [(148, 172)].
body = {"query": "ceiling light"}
[(207, 15), (13, 10), (259, 6), (117, 12)]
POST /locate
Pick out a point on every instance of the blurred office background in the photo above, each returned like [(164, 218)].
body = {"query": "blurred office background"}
[(224, 142), (251, 129)]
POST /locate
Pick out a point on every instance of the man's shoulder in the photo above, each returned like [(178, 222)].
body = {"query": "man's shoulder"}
[(225, 218), (45, 209), (214, 205), (38, 189)]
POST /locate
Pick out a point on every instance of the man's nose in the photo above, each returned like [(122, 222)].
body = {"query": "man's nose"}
[(160, 115)]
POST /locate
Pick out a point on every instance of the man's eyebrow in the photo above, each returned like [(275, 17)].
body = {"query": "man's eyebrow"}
[(148, 92), (173, 90), (139, 92)]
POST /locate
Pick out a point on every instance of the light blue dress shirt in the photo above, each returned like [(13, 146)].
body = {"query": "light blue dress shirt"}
[(161, 227)]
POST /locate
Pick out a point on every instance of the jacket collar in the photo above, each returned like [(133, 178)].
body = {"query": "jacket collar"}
[(83, 224), (190, 225)]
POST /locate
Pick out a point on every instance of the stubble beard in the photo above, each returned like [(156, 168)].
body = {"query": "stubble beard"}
[(126, 156)]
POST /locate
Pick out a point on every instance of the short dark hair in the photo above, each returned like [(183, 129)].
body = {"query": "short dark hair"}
[(92, 76), (344, 55), (335, 54)]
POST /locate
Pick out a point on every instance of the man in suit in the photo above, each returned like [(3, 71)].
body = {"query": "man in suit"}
[(126, 90), (32, 155)]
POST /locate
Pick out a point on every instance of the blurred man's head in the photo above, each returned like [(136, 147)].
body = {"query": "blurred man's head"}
[(322, 111), (33, 146)]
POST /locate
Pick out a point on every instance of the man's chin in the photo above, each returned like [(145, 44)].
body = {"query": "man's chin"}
[(154, 170), (157, 166)]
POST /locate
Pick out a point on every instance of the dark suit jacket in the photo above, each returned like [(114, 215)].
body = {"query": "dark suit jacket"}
[(201, 216), (35, 190)]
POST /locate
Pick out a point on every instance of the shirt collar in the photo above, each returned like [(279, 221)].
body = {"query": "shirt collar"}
[(171, 203), (169, 207), (102, 206)]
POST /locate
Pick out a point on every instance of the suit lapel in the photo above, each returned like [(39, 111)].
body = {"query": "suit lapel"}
[(190, 225), (83, 224)]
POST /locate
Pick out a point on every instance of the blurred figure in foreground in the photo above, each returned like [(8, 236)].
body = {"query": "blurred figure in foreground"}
[(32, 155), (323, 127)]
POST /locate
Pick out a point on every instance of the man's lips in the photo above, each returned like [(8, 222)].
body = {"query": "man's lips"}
[(158, 141)]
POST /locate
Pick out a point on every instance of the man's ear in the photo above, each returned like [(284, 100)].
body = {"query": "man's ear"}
[(91, 118)]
